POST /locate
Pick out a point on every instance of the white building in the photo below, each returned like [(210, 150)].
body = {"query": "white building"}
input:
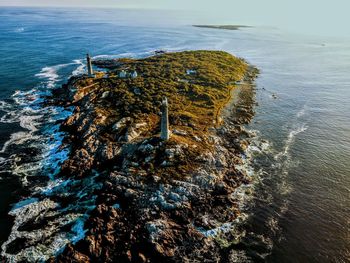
[(133, 74), (191, 72), (122, 74)]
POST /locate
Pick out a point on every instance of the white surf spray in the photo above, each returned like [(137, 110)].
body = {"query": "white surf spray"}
[(50, 74), (266, 166), (19, 30), (80, 69), (289, 141), (302, 112), (42, 132), (274, 188), (243, 194)]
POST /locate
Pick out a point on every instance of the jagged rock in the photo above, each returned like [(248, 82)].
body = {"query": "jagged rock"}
[(179, 132), (197, 139), (105, 94), (140, 125), (146, 148), (131, 134), (121, 123), (244, 145), (133, 164), (71, 255), (204, 179), (172, 152), (108, 151), (156, 179), (142, 258), (130, 193), (148, 159), (207, 157), (137, 91), (134, 131), (175, 197)]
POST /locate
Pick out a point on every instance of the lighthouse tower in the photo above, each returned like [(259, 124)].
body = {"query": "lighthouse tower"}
[(89, 66), (164, 125)]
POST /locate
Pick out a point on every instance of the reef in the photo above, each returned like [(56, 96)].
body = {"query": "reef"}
[(159, 201)]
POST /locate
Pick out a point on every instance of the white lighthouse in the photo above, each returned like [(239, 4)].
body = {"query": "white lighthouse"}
[(89, 66), (164, 125)]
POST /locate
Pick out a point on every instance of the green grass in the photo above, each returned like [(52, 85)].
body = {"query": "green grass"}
[(195, 101), (192, 98)]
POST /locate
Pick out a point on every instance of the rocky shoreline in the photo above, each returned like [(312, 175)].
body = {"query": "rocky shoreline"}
[(158, 201)]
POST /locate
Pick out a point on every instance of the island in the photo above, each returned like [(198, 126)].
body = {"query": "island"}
[(160, 199), (225, 27)]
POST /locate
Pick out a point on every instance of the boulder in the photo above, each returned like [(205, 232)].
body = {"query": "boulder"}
[(121, 123), (105, 94)]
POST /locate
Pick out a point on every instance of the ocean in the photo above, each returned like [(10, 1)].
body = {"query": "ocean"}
[(299, 208)]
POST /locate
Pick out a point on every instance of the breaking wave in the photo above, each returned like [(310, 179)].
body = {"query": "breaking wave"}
[(80, 69), (36, 151), (265, 201), (289, 141), (302, 111), (298, 128), (19, 30), (50, 74)]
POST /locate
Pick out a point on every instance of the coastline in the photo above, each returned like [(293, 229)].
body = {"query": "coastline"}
[(296, 204), (162, 213), (138, 216)]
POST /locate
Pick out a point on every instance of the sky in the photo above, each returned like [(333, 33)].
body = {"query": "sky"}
[(317, 17)]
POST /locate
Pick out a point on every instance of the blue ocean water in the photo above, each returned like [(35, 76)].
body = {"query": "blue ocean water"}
[(299, 211)]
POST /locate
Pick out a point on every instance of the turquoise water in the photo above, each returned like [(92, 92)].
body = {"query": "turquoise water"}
[(299, 211)]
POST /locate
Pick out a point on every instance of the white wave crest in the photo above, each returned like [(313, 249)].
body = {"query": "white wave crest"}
[(80, 69), (43, 135), (51, 74), (302, 111), (29, 122), (18, 138), (19, 30), (5, 106), (33, 209), (290, 139)]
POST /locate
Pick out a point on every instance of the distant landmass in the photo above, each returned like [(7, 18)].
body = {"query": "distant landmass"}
[(226, 27)]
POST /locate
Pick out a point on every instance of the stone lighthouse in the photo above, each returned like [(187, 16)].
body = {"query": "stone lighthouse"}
[(164, 125), (89, 66)]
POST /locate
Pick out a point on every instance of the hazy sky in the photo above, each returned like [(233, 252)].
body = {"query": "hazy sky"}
[(328, 17)]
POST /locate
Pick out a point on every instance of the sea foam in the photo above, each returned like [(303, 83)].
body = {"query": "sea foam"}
[(290, 139), (42, 132)]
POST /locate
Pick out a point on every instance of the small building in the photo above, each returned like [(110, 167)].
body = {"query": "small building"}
[(134, 74), (191, 72), (122, 74), (160, 52)]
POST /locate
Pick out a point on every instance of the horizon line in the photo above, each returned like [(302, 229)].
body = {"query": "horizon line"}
[(94, 7)]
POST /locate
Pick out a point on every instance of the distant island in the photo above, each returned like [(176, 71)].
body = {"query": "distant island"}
[(161, 199), (226, 27)]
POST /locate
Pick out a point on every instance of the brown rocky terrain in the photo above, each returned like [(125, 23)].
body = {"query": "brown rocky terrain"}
[(160, 201)]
